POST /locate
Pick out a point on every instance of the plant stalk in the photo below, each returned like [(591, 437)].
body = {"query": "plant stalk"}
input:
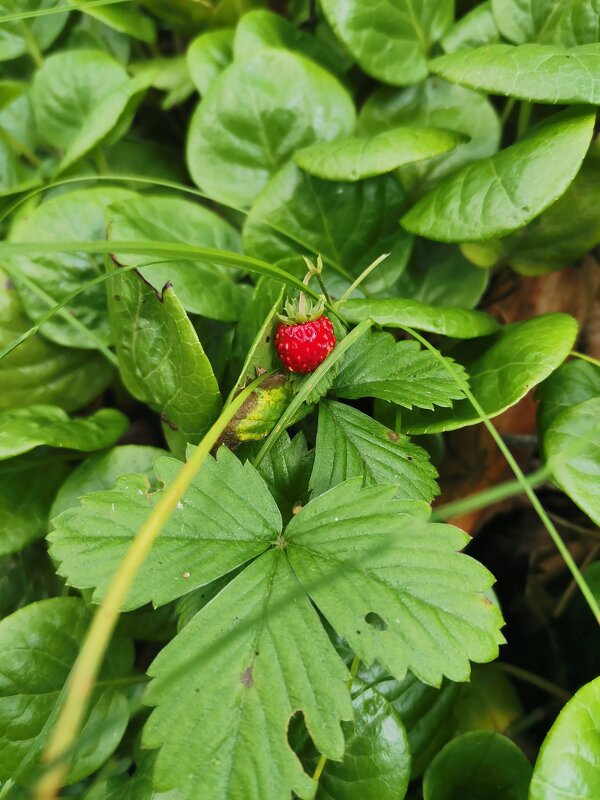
[(86, 668)]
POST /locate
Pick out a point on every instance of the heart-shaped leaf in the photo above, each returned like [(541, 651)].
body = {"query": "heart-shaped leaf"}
[(38, 646), (390, 40), (234, 146)]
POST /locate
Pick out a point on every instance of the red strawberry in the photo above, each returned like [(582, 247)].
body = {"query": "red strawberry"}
[(304, 345)]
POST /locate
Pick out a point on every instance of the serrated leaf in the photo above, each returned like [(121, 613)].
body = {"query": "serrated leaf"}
[(395, 312), (569, 22), (390, 40), (208, 55), (261, 644), (22, 429), (377, 758), (38, 646), (501, 370), (161, 360), (483, 765), (378, 366), (355, 158), (286, 471), (492, 198), (39, 371), (532, 72), (27, 489), (568, 764), (350, 444), (226, 517), (102, 470), (75, 216), (234, 146), (572, 383), (436, 103), (348, 224), (419, 606), (476, 28), (261, 29), (202, 287), (577, 429)]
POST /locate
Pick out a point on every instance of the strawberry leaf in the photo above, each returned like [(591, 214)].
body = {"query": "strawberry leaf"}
[(378, 366)]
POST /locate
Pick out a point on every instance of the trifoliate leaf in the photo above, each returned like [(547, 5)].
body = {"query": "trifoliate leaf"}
[(378, 366), (261, 645), (351, 444)]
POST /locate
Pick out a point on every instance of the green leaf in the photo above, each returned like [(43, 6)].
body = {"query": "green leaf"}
[(412, 582), (501, 370), (390, 40), (27, 488), (577, 473), (349, 224), (378, 366), (286, 470), (88, 33), (355, 158), (169, 75), (376, 763), (102, 470), (396, 312), (492, 197), (438, 104), (161, 360), (45, 279), (39, 371), (208, 55), (566, 231), (257, 113), (202, 287), (123, 18), (226, 517), (261, 29), (262, 646), (568, 764), (38, 646), (483, 765), (569, 22), (68, 88), (350, 444), (14, 35), (572, 383), (532, 72), (188, 17), (475, 29), (22, 429), (439, 275), (27, 576)]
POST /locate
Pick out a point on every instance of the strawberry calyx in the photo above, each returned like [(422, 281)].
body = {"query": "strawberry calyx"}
[(296, 315)]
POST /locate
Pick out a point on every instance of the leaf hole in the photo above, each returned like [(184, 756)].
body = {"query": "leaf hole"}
[(375, 621)]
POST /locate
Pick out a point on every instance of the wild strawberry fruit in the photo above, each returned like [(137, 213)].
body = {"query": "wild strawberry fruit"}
[(302, 346)]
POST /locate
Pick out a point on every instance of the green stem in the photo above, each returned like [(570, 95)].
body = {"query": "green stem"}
[(19, 149), (364, 274), (527, 489), (83, 676), (506, 111), (585, 357), (535, 680), (323, 759), (524, 118), (487, 497), (32, 46)]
